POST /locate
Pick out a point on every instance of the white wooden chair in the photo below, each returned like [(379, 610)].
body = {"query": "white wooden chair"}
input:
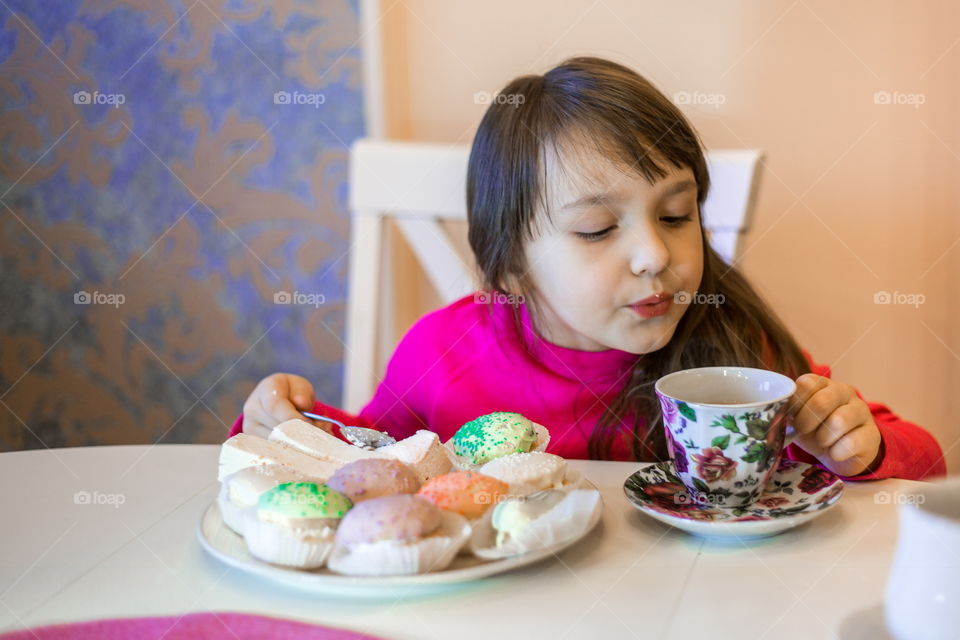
[(419, 185)]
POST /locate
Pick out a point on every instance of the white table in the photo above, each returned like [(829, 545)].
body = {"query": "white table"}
[(64, 560)]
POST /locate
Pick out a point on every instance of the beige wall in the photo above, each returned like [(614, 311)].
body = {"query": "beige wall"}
[(856, 197)]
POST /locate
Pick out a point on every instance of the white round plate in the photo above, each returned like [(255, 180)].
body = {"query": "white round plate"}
[(221, 542)]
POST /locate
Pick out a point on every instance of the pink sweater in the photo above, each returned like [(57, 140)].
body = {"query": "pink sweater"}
[(466, 359)]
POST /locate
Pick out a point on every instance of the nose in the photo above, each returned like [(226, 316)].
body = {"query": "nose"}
[(648, 252)]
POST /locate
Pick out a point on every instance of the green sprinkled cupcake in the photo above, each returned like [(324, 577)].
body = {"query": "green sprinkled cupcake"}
[(494, 435), (294, 524), (294, 501)]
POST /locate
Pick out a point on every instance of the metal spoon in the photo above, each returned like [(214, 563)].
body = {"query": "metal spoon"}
[(360, 436)]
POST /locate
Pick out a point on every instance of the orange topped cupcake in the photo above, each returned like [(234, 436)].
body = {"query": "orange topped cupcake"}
[(465, 492)]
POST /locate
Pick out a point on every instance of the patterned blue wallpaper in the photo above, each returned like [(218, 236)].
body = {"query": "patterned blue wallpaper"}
[(173, 224)]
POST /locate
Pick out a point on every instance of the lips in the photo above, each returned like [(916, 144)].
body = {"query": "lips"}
[(654, 299), (656, 305)]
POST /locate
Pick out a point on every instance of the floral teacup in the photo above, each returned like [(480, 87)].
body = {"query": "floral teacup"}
[(726, 430)]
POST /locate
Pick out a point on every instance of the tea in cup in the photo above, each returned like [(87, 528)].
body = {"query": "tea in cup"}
[(726, 430)]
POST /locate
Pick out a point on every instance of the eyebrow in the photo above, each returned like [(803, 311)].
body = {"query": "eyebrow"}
[(594, 199)]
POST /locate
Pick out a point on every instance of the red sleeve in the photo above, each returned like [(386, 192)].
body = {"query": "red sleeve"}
[(908, 450), (318, 408)]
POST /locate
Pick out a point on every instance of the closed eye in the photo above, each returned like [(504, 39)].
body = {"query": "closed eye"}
[(592, 236), (676, 221)]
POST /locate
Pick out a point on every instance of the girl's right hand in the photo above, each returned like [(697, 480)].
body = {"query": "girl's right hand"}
[(275, 399)]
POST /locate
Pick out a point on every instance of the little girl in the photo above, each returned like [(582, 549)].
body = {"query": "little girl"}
[(584, 194)]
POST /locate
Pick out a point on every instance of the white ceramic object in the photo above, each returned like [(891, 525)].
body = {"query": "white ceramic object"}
[(726, 430), (797, 493), (923, 589)]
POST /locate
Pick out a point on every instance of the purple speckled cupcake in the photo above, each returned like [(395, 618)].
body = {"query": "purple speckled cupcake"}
[(374, 478), (395, 535)]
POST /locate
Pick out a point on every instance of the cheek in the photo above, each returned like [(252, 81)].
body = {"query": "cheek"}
[(561, 271), (687, 258)]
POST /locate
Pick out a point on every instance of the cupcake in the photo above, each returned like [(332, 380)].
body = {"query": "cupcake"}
[(528, 473), (374, 478), (541, 521), (468, 493), (241, 490), (495, 435), (511, 518), (294, 524), (396, 535)]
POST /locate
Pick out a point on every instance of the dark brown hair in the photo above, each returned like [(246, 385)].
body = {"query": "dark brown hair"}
[(595, 101)]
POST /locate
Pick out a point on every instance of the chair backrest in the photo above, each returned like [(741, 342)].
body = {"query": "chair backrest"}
[(421, 184)]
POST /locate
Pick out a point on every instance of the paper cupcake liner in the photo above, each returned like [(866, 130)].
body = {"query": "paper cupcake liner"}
[(233, 514), (574, 480), (277, 544), (461, 464), (567, 520), (543, 437), (389, 558)]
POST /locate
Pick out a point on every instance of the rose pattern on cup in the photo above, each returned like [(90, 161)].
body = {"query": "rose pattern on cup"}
[(677, 453), (712, 465), (740, 458)]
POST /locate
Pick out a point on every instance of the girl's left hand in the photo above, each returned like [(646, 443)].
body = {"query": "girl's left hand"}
[(835, 425)]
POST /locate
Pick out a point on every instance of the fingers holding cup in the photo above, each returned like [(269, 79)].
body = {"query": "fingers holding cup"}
[(815, 400), (838, 424)]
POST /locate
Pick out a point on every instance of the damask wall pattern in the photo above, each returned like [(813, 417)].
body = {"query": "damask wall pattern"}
[(173, 219)]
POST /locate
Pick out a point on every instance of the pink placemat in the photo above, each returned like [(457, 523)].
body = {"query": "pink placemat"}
[(192, 626)]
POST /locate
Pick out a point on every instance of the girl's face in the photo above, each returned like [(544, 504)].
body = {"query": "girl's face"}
[(613, 240)]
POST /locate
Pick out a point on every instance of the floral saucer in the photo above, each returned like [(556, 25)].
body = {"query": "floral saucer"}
[(797, 493)]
